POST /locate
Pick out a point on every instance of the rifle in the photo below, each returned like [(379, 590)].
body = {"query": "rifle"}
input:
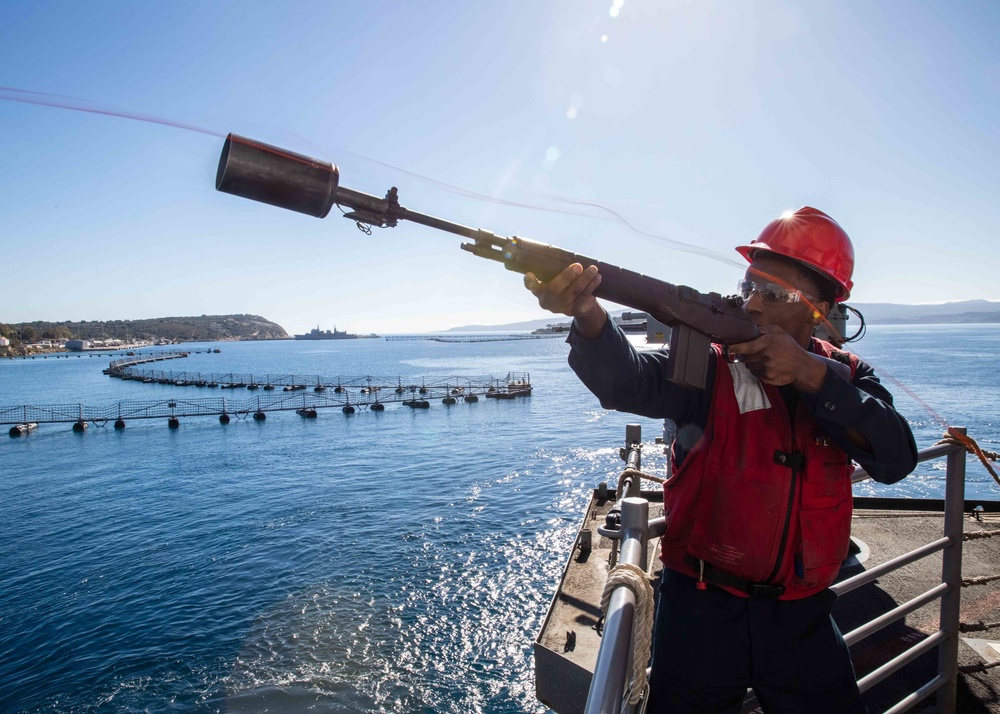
[(265, 173)]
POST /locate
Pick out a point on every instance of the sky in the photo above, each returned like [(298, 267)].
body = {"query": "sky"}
[(656, 135)]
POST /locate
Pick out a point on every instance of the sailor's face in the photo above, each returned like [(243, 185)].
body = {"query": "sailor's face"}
[(781, 296)]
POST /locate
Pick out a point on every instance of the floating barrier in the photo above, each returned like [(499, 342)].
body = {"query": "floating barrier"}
[(373, 396), (118, 366), (21, 429), (368, 385)]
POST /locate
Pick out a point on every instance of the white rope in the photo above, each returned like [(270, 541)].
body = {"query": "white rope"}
[(634, 578)]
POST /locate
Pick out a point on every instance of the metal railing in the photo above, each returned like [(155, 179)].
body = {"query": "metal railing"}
[(629, 523), (946, 638), (614, 657)]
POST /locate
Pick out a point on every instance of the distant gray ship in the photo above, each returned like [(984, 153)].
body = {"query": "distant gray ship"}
[(317, 334)]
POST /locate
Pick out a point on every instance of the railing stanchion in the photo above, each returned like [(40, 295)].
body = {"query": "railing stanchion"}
[(614, 659), (951, 574)]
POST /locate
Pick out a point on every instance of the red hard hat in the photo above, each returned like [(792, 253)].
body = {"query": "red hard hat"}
[(813, 238)]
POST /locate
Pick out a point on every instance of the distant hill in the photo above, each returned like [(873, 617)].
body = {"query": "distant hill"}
[(965, 311), (205, 328), (876, 313)]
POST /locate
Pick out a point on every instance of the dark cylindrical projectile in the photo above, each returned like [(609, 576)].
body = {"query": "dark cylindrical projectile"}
[(261, 172)]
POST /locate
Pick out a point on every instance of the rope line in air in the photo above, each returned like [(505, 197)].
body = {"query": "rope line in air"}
[(953, 436)]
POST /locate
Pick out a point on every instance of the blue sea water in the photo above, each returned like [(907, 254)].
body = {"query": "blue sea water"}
[(394, 561)]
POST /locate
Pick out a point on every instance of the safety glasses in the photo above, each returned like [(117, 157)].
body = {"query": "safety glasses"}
[(770, 293)]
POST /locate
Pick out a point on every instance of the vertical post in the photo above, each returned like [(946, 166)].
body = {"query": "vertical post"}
[(669, 434), (607, 685), (632, 454), (951, 574)]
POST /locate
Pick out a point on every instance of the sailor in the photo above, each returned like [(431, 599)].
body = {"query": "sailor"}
[(758, 505)]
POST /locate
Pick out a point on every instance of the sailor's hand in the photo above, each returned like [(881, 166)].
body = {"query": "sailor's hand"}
[(776, 358), (572, 293)]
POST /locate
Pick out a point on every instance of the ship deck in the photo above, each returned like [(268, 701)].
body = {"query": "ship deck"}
[(566, 648)]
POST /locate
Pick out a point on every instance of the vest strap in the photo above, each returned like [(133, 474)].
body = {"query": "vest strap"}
[(717, 576), (795, 460)]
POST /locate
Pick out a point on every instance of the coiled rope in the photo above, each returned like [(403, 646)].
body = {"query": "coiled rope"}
[(953, 436), (634, 578)]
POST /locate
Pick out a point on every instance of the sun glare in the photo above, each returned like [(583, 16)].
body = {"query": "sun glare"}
[(787, 214)]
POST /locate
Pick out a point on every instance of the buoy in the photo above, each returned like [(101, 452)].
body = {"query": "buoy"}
[(471, 398), (259, 416), (378, 407), (80, 427), (173, 422), (348, 409), (119, 424), (223, 418)]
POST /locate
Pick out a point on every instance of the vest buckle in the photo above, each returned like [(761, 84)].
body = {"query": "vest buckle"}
[(795, 460), (765, 591)]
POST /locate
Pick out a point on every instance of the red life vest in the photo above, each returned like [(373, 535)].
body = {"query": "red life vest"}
[(762, 496)]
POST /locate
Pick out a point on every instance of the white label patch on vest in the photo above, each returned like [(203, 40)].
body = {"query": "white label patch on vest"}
[(750, 395)]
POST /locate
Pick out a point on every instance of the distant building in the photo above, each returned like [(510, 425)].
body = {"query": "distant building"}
[(4, 342), (77, 345)]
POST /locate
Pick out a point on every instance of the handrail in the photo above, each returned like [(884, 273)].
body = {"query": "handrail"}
[(888, 566), (608, 681), (948, 590), (614, 658)]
